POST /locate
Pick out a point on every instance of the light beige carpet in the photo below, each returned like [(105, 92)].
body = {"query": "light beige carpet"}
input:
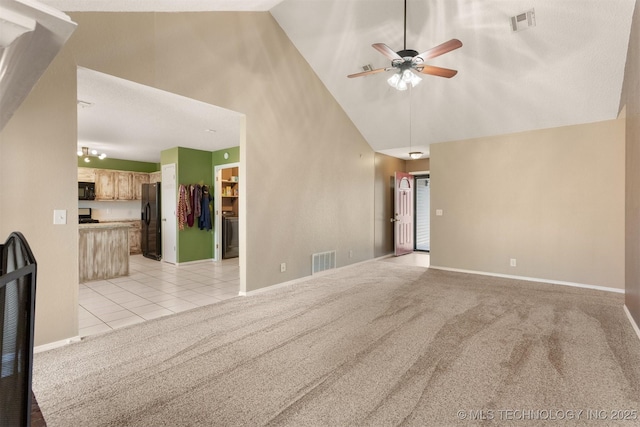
[(375, 344)]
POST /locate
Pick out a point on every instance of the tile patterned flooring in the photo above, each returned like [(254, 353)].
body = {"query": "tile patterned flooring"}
[(416, 259), (154, 289)]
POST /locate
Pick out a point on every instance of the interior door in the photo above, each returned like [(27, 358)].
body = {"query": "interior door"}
[(403, 209), (169, 200)]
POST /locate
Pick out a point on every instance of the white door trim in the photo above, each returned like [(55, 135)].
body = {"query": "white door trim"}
[(217, 215)]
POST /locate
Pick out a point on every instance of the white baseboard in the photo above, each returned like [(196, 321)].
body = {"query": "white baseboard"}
[(530, 279), (632, 321), (56, 344), (198, 261), (305, 278)]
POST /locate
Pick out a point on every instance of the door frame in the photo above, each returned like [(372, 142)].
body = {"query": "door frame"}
[(217, 203), (403, 215), (169, 219), (416, 176)]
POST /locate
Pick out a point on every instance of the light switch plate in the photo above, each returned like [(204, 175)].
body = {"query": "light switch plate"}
[(438, 212), (59, 216)]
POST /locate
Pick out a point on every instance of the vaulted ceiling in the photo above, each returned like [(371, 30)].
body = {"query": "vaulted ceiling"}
[(565, 70)]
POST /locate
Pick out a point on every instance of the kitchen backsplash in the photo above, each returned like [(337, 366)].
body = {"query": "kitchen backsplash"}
[(112, 211)]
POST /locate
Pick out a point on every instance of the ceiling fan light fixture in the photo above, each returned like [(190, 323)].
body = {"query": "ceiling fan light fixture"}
[(402, 79), (393, 80), (411, 77)]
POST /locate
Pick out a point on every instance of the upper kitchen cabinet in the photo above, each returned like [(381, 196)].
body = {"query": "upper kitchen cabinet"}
[(124, 186), (139, 178), (105, 184), (117, 185), (86, 175), (155, 177)]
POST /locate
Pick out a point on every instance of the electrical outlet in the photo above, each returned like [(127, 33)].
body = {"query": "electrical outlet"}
[(283, 267), (439, 212), (350, 254), (512, 262)]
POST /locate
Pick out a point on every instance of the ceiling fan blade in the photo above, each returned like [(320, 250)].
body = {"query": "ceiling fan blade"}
[(386, 51), (437, 71), (366, 73), (439, 50)]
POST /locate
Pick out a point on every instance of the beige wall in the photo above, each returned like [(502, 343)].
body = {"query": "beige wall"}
[(420, 165), (631, 98), (37, 175), (308, 173), (386, 166), (552, 199)]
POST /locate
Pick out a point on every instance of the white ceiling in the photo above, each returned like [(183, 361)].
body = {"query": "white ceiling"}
[(162, 5), (127, 120), (566, 70)]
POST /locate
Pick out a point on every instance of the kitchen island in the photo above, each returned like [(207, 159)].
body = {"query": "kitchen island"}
[(103, 251)]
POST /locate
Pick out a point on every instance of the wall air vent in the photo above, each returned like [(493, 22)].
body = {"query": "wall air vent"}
[(323, 261), (523, 21)]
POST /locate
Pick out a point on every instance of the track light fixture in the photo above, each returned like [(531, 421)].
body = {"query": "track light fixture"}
[(87, 154)]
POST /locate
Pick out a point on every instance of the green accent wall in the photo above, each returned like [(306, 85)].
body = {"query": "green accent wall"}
[(218, 156), (119, 164), (196, 167), (169, 156)]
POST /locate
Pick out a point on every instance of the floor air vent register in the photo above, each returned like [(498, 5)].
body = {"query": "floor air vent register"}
[(323, 261)]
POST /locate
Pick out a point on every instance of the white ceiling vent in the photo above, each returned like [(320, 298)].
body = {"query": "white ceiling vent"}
[(523, 21)]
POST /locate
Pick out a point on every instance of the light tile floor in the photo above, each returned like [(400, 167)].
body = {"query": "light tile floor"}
[(416, 259), (154, 289)]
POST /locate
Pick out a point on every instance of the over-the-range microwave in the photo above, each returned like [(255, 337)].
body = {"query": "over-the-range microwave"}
[(86, 191)]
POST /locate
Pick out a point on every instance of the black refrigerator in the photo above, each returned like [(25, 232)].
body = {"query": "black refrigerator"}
[(151, 239)]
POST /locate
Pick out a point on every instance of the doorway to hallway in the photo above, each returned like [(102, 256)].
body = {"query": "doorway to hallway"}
[(227, 211), (422, 213)]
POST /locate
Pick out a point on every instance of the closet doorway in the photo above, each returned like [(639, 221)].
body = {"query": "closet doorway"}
[(422, 215), (227, 211)]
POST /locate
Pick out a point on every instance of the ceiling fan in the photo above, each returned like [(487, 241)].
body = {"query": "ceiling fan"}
[(406, 60)]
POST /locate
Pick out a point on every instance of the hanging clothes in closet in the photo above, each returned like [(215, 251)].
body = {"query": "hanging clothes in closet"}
[(195, 194), (204, 223), (184, 206), (193, 206)]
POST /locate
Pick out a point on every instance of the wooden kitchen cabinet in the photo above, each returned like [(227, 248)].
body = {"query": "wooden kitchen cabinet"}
[(135, 238), (124, 186), (115, 185), (155, 177), (139, 178), (86, 175), (103, 251), (105, 184)]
